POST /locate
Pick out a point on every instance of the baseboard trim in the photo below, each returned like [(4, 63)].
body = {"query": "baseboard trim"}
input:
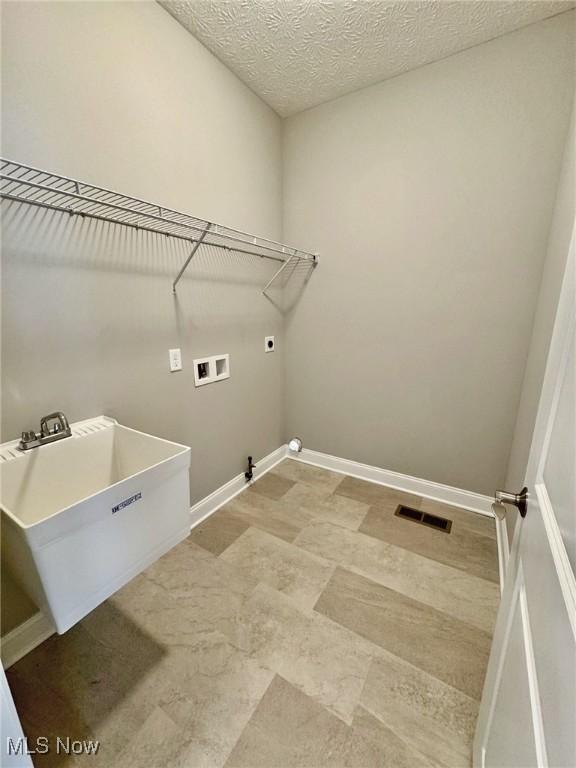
[(456, 497), (24, 638), (209, 504)]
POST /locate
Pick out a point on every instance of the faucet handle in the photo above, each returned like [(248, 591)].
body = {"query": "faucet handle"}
[(29, 439), (61, 424)]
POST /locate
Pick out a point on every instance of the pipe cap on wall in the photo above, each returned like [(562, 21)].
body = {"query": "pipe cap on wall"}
[(295, 445)]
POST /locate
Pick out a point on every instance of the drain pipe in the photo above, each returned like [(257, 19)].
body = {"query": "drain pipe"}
[(249, 474)]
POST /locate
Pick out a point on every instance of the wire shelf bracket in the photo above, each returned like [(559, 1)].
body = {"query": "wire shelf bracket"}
[(25, 184), (197, 245)]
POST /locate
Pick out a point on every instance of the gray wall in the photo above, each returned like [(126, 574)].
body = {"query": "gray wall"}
[(408, 347), (563, 223), (430, 198), (121, 95)]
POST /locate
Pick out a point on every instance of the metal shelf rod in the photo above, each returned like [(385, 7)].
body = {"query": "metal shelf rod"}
[(143, 227), (25, 184), (274, 245), (123, 210)]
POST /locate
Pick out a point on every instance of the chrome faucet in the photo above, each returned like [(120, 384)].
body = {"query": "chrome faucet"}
[(52, 427)]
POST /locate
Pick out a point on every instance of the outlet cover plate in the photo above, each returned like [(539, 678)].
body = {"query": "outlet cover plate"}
[(175, 357)]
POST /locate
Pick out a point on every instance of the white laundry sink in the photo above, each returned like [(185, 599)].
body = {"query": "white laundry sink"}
[(84, 515)]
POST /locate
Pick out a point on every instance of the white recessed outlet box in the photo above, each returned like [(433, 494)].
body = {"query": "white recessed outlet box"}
[(222, 367), (269, 343), (202, 374), (210, 369), (175, 356)]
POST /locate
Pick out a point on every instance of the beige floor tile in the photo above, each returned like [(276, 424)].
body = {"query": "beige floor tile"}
[(307, 496), (208, 688), (343, 511), (326, 661), (327, 506), (461, 548), (292, 571), (272, 486), (432, 716), (461, 518), (276, 517), (213, 691), (46, 711), (290, 730), (459, 594), (300, 472), (372, 743), (451, 650), (186, 594), (75, 685), (158, 743), (295, 514), (155, 644), (219, 531), (376, 495), (114, 726)]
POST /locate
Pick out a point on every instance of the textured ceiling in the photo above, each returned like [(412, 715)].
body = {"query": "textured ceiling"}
[(296, 54)]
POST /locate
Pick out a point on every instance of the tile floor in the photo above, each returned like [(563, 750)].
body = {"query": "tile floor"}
[(301, 625)]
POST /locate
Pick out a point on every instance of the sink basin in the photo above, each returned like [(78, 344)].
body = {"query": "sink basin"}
[(84, 515)]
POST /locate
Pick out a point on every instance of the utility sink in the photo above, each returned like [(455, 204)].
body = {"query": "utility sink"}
[(84, 515)]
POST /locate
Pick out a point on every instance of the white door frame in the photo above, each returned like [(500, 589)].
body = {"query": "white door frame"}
[(514, 592)]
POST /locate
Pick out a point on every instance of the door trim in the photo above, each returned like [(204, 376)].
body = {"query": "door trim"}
[(559, 555), (540, 512), (535, 706), (516, 595)]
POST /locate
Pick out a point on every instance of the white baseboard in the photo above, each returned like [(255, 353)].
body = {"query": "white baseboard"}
[(24, 638), (456, 497), (209, 504)]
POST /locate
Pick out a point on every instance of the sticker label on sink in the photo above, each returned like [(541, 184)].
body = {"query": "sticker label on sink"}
[(126, 503)]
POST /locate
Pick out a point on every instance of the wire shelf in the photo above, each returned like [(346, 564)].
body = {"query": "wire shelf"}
[(25, 184)]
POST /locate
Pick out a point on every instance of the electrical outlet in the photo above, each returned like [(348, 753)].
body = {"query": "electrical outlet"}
[(269, 344), (175, 356)]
